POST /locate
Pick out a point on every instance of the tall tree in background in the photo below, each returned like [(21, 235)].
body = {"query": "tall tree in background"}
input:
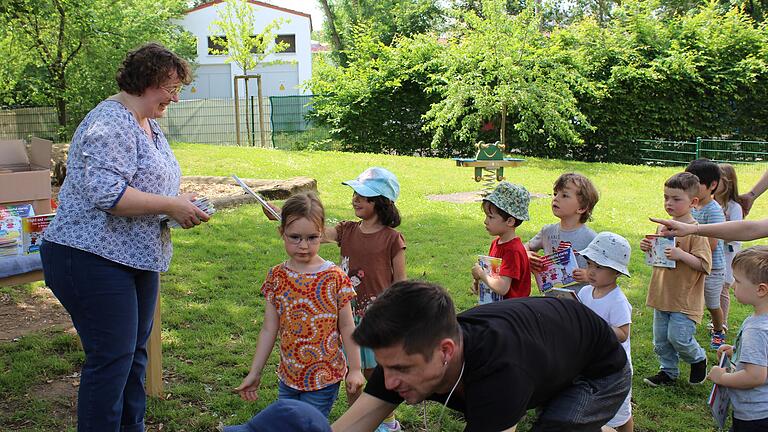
[(69, 50), (386, 19), (243, 45)]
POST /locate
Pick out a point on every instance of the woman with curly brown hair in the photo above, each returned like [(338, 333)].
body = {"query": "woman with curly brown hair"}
[(104, 251)]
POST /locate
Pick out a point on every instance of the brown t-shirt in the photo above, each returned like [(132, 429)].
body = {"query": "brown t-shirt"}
[(367, 259), (681, 289)]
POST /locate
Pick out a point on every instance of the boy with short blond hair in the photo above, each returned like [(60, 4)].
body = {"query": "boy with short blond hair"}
[(748, 385), (677, 294), (574, 199), (708, 211)]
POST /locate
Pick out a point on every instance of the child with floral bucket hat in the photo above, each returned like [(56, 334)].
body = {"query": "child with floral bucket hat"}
[(505, 209), (607, 258)]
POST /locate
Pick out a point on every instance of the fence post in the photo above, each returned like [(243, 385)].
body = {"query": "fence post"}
[(698, 147)]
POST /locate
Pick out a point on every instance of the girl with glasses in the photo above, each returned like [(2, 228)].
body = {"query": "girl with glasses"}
[(309, 306)]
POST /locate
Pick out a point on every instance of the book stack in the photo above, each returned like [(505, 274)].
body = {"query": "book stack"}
[(202, 203), (10, 228)]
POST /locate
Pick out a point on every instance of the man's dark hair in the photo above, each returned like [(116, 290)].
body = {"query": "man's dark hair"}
[(706, 170), (415, 313), (150, 65)]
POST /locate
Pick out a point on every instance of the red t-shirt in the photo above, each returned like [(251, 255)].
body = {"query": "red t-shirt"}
[(514, 265)]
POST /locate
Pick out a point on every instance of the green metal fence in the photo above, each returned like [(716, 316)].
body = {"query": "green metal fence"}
[(292, 125), (747, 154)]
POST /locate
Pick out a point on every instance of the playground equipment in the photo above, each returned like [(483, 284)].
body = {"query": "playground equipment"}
[(489, 164)]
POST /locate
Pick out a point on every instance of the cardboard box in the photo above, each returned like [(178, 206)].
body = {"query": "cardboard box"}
[(25, 173)]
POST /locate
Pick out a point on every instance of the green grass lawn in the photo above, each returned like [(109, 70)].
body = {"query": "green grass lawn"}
[(212, 309)]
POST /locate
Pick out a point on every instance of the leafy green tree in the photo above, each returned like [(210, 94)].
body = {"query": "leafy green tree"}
[(242, 43), (386, 19), (69, 50), (503, 61)]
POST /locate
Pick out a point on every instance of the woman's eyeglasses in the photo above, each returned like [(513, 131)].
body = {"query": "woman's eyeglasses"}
[(173, 91), (296, 239)]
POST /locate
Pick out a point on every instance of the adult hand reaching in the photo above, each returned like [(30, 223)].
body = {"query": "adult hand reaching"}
[(674, 228)]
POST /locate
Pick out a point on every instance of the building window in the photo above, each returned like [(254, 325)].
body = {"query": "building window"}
[(289, 40), (215, 48), (256, 49)]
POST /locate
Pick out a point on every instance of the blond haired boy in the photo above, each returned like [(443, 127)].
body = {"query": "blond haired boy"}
[(677, 294), (573, 201), (747, 385)]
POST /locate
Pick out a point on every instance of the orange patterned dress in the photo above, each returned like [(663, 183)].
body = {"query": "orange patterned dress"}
[(308, 306)]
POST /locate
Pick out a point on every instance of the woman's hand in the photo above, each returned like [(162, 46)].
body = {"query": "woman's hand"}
[(249, 388), (185, 213)]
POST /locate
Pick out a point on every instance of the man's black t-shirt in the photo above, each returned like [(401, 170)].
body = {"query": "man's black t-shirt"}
[(520, 353)]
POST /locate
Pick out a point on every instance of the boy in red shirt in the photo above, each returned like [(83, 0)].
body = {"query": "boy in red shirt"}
[(505, 209)]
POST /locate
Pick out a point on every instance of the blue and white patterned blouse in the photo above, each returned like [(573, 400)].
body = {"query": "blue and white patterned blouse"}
[(110, 152)]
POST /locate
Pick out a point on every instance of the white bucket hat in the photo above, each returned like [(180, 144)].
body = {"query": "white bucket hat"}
[(609, 250)]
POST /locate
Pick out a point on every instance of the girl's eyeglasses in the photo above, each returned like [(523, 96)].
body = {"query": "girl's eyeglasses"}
[(296, 239)]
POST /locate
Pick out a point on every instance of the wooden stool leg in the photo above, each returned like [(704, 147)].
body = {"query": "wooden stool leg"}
[(154, 377)]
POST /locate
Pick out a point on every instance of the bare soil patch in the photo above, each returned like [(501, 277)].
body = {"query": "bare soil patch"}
[(37, 311)]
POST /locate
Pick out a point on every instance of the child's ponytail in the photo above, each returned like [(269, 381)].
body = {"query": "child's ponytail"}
[(385, 210)]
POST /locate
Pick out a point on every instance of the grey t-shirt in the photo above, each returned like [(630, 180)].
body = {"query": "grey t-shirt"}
[(751, 347), (551, 238)]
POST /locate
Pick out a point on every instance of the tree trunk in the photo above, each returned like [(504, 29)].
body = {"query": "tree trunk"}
[(335, 39)]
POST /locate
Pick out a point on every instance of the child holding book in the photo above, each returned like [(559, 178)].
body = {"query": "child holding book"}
[(708, 211), (574, 199), (505, 209), (607, 258), (677, 294), (308, 304), (372, 250), (748, 384), (727, 195)]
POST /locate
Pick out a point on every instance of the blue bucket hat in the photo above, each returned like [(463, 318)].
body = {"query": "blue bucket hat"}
[(376, 181), (285, 415)]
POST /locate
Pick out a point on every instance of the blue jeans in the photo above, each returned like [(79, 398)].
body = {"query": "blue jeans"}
[(112, 308), (674, 339), (322, 399)]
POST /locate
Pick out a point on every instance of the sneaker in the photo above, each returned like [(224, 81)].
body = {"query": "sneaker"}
[(718, 338), (660, 379), (389, 427), (698, 372)]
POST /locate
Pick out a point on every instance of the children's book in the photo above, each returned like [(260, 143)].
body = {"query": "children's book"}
[(491, 267), (557, 270), (655, 255), (258, 197), (10, 228), (719, 399), (32, 232), (562, 293)]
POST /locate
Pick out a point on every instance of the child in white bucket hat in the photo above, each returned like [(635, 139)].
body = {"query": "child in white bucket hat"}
[(607, 258)]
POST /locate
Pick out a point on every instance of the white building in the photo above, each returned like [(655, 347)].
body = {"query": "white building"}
[(214, 76)]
